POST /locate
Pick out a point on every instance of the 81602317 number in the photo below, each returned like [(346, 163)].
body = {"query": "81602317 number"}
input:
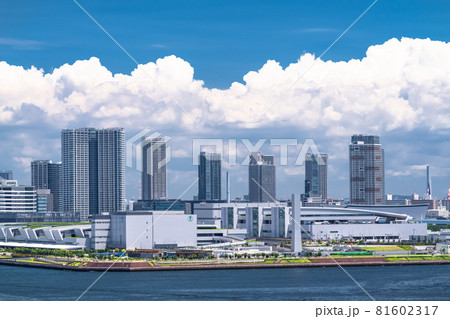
[(406, 310)]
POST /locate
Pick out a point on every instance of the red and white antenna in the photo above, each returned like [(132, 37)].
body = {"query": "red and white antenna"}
[(448, 196)]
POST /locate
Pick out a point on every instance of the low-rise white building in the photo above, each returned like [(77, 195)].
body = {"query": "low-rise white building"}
[(146, 230), (61, 237), (15, 198), (258, 219), (210, 234), (100, 231), (443, 248), (442, 235), (440, 212), (370, 232)]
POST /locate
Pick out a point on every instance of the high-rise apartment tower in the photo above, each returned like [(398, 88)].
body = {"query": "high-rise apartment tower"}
[(93, 170), (366, 170)]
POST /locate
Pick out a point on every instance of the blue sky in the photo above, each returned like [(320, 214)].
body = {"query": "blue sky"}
[(223, 41)]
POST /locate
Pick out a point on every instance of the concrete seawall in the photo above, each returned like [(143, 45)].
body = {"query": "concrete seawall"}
[(118, 267)]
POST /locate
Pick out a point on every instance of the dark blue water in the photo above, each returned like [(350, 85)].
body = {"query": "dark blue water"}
[(383, 283)]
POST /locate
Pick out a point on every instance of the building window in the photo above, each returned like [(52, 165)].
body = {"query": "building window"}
[(281, 223), (230, 218), (255, 222)]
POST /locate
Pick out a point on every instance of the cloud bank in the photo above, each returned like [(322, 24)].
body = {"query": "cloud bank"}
[(401, 84)]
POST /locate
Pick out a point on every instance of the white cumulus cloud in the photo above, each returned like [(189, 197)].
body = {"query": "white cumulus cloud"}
[(401, 84)]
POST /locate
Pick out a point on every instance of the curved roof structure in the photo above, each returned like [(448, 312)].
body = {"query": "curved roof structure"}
[(349, 214)]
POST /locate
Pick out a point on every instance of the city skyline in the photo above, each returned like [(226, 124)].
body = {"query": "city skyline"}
[(299, 190), (145, 138), (404, 170), (231, 80)]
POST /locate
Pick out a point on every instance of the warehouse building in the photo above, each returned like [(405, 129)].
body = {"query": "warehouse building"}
[(369, 232), (144, 230)]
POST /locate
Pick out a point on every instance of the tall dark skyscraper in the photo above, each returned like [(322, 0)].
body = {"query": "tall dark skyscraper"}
[(111, 169), (154, 169), (86, 154), (209, 176), (366, 170), (54, 184), (6, 175), (261, 178), (47, 175), (316, 171), (39, 174)]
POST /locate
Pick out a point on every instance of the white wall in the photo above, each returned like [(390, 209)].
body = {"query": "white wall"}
[(145, 231), (179, 230)]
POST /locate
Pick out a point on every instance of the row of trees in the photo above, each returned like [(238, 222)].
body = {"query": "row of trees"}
[(437, 227), (311, 254), (40, 252)]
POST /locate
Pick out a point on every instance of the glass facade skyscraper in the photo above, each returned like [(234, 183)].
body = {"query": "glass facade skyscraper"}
[(316, 175), (209, 176), (154, 168), (8, 175), (261, 178), (47, 175)]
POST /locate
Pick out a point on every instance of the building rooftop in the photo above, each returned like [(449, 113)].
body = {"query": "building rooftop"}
[(149, 212)]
